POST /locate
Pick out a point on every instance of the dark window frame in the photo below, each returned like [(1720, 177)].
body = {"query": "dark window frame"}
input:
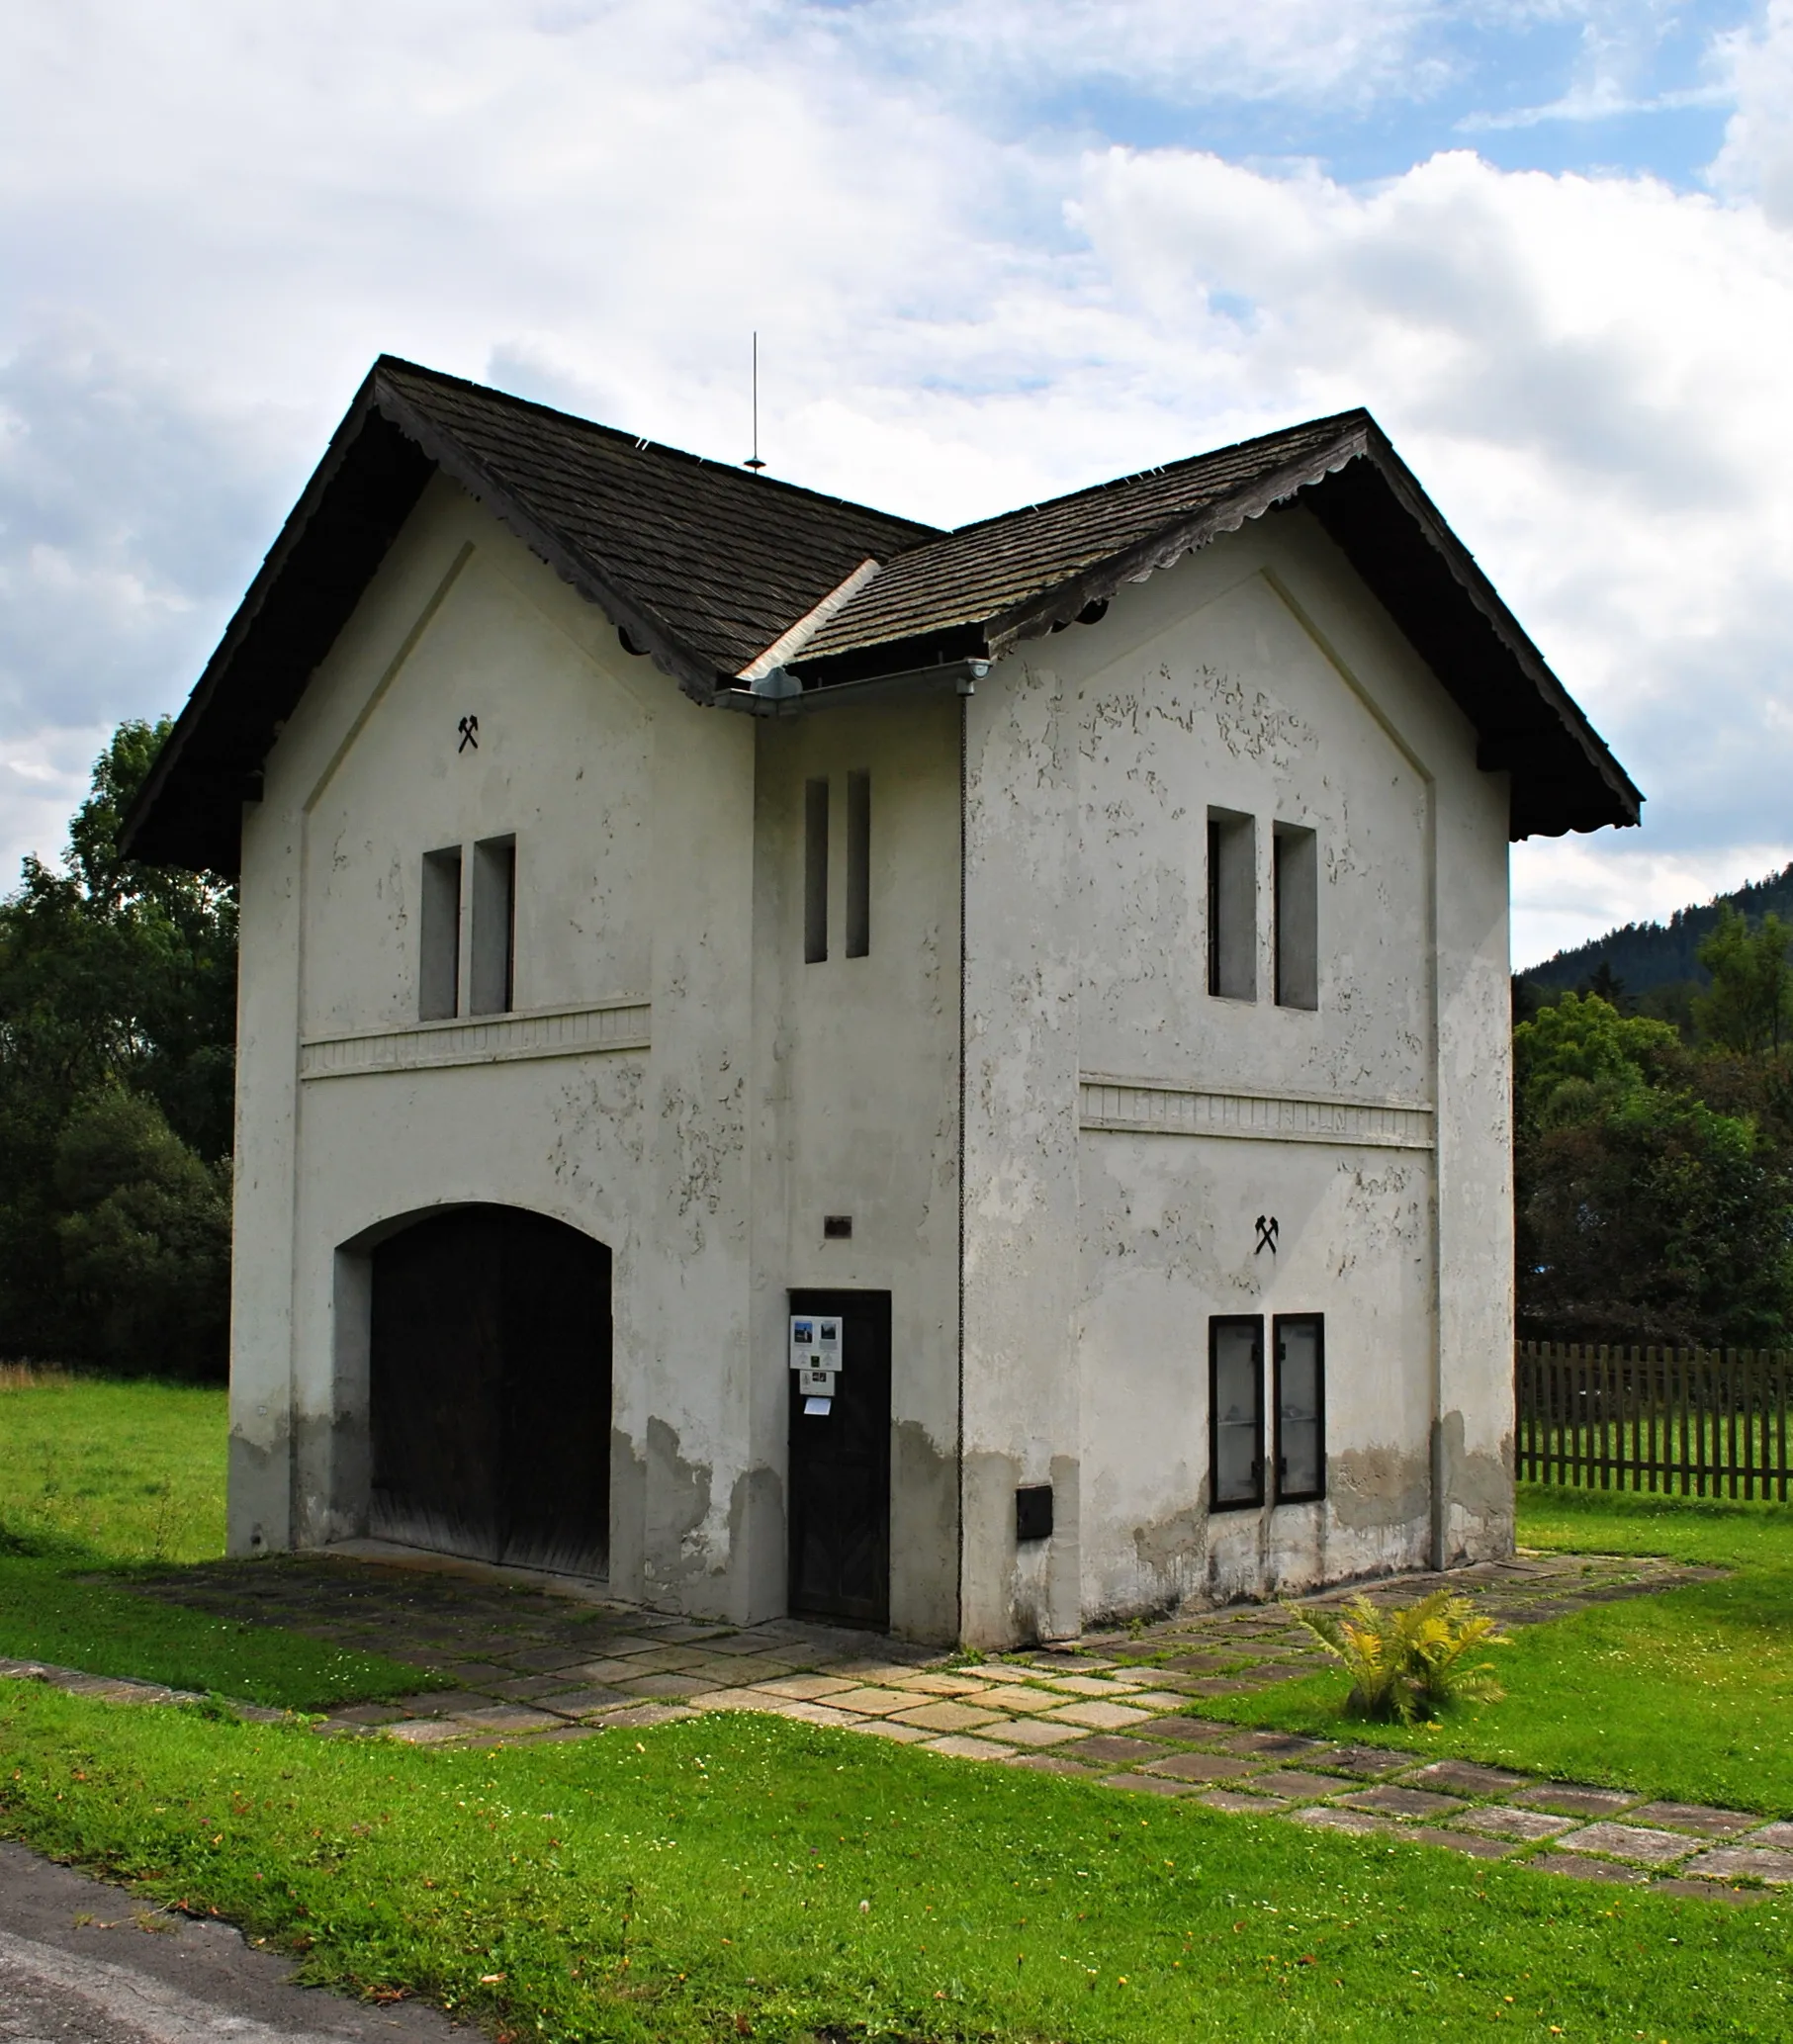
[(1216, 1322), (1278, 1322)]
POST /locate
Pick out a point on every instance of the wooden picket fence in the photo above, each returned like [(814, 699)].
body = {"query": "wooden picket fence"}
[(1701, 1422)]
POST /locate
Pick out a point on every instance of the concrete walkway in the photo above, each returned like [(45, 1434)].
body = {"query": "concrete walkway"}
[(83, 1962), (530, 1664)]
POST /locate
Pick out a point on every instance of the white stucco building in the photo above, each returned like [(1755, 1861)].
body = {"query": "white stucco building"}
[(1072, 952)]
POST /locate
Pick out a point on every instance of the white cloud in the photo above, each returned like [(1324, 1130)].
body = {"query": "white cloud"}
[(213, 218), (1758, 157)]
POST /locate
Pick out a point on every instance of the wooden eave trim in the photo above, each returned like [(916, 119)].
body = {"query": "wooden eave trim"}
[(1037, 615), (1465, 571), (273, 566), (574, 566)]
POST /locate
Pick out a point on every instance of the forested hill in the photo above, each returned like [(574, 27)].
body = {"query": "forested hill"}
[(1642, 955)]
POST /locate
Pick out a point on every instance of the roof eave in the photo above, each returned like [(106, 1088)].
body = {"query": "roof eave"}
[(174, 748), (1545, 803), (1103, 579), (577, 569)]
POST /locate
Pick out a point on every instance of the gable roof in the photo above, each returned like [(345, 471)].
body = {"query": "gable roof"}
[(718, 572)]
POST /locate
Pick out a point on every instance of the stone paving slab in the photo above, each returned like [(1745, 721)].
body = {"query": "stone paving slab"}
[(1693, 1817), (1502, 1820), (1743, 1862), (1651, 1848), (1369, 1761), (949, 1717), (1466, 1778), (1295, 1784), (1240, 1803), (1101, 1717), (1577, 1868), (1388, 1799), (1037, 1732), (1475, 1847), (1195, 1732), (1199, 1768), (1358, 1822), (1148, 1784), (1573, 1800)]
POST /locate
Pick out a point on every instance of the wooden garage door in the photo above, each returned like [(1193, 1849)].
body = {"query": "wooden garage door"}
[(491, 1389)]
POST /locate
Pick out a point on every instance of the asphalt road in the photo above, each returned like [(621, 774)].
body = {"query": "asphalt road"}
[(82, 1963)]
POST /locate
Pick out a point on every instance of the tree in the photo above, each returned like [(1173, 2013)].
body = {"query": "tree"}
[(1751, 1004), (1646, 1214), (114, 978), (146, 1240)]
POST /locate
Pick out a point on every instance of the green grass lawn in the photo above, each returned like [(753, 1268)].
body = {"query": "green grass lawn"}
[(734, 1876), (127, 1472), (705, 1879), (1687, 1694), (97, 1479)]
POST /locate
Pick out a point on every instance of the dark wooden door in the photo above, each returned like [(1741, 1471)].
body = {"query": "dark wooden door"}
[(840, 1471), (490, 1367)]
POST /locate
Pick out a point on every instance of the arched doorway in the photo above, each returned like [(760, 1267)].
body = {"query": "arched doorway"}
[(490, 1389)]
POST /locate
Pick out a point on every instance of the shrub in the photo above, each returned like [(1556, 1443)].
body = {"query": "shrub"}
[(1412, 1663), (145, 1239)]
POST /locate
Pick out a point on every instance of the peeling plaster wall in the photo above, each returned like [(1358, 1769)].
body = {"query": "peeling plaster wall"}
[(633, 816), (856, 1072), (659, 865), (1256, 676)]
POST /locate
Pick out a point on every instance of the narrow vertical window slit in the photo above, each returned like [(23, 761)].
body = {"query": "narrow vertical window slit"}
[(859, 865), (493, 970), (815, 871), (439, 937)]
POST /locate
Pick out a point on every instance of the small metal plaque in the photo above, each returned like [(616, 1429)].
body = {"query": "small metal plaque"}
[(817, 1408), (1034, 1512)]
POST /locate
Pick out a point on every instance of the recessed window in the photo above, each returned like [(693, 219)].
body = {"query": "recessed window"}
[(1299, 1341), (815, 871), (439, 937), (1235, 1411), (1296, 916), (492, 978), (859, 865), (1232, 905)]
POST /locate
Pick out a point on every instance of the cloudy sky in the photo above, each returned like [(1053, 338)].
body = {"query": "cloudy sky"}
[(994, 249)]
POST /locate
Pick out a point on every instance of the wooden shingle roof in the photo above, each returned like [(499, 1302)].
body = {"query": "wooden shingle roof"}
[(717, 573)]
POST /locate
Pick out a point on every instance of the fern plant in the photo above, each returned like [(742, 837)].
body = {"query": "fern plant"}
[(1412, 1663)]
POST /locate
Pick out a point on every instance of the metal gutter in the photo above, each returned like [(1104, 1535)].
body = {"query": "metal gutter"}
[(779, 693)]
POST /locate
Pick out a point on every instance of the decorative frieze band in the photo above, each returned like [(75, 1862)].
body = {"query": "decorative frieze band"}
[(1132, 1107), (487, 1041)]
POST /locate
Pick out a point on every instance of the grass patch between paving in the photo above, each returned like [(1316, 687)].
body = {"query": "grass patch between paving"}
[(1688, 1694), (705, 1880), (99, 1479)]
